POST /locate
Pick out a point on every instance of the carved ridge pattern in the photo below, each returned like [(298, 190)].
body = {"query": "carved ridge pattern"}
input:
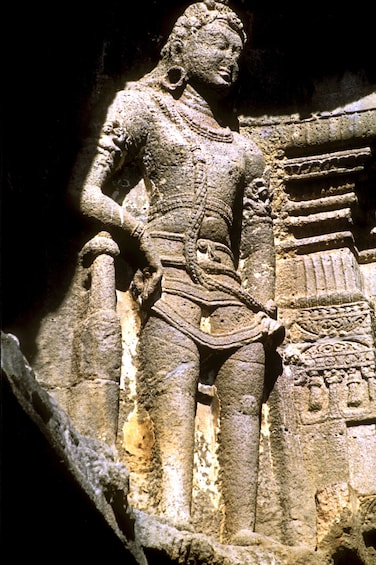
[(334, 320), (327, 220), (327, 276), (327, 203), (339, 354), (339, 162)]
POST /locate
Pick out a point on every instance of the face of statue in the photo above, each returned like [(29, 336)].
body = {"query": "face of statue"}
[(211, 57)]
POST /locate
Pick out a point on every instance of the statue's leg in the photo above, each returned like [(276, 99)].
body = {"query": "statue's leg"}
[(168, 380), (240, 384)]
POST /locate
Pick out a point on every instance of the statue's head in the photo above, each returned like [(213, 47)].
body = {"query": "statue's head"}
[(204, 47)]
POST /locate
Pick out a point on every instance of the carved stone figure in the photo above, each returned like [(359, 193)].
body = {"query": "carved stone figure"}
[(208, 202)]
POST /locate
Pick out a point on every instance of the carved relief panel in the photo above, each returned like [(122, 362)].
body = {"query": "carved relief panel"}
[(324, 204)]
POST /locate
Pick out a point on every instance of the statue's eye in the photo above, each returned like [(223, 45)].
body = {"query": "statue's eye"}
[(221, 43)]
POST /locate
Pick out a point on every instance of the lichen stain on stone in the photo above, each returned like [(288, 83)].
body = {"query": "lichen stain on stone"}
[(206, 461), (130, 328), (138, 435), (265, 424), (205, 325), (138, 443), (336, 503)]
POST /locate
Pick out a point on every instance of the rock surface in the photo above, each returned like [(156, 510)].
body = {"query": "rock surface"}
[(92, 466)]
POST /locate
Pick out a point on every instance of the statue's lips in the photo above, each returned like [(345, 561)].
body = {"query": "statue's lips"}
[(225, 73)]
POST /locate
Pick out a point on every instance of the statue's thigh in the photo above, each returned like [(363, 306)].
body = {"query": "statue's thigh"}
[(242, 374), (169, 362)]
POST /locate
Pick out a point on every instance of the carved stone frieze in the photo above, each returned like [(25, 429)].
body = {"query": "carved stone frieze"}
[(323, 171), (335, 163), (333, 321), (336, 393), (333, 361), (326, 220)]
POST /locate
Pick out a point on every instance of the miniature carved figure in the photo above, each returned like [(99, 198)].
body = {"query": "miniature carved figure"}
[(205, 193)]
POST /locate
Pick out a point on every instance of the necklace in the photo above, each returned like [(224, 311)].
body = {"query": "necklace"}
[(192, 100), (222, 135), (197, 274)]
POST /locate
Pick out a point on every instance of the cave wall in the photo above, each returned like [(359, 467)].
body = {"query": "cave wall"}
[(307, 94)]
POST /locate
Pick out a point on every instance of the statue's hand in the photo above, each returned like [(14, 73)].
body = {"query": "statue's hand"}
[(271, 308), (273, 330), (146, 285)]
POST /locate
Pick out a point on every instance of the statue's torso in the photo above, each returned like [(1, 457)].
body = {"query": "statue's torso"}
[(195, 173), (169, 170)]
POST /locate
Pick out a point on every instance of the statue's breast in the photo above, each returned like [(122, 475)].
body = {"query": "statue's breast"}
[(225, 169), (170, 159)]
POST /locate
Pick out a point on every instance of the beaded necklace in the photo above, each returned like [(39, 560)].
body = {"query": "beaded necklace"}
[(196, 272), (224, 136)]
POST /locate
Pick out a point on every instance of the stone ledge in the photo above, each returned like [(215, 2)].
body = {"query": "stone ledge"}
[(181, 547), (93, 467), (90, 463)]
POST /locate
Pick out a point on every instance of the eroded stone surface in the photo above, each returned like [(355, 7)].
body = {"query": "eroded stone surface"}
[(90, 463), (97, 471), (185, 196), (308, 242)]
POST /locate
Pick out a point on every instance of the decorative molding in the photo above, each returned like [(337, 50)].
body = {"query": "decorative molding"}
[(335, 163)]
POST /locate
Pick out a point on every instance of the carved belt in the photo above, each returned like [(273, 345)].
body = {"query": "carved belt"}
[(230, 340), (176, 201), (213, 257)]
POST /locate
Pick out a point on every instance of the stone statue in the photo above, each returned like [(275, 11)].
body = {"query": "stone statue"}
[(206, 193)]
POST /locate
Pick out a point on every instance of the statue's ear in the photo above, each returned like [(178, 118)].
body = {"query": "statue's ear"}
[(176, 51)]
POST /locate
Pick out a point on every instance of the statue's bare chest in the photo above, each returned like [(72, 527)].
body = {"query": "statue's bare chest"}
[(177, 151)]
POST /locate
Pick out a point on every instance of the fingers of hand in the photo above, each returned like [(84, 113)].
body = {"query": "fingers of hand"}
[(151, 283), (146, 285)]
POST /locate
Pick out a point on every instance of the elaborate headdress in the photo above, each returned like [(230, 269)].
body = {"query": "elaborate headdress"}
[(202, 13)]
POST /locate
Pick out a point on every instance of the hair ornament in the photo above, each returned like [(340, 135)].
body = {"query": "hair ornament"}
[(211, 3), (200, 14)]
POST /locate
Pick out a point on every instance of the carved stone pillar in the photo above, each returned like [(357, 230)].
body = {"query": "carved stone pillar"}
[(97, 345), (326, 306)]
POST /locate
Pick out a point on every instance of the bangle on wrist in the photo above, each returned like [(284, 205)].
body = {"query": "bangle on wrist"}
[(138, 231)]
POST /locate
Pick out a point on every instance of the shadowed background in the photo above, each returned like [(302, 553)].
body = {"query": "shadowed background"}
[(60, 59)]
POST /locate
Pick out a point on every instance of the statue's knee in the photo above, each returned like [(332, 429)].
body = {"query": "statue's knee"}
[(241, 405), (253, 353), (249, 405)]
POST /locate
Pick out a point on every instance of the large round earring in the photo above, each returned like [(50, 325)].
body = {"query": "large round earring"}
[(175, 78)]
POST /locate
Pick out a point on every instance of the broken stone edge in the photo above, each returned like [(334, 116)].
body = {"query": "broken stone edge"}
[(93, 467)]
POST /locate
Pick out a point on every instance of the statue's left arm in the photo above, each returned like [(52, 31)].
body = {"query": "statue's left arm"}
[(257, 253)]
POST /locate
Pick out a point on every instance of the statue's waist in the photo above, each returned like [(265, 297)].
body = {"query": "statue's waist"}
[(175, 202), (212, 256)]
